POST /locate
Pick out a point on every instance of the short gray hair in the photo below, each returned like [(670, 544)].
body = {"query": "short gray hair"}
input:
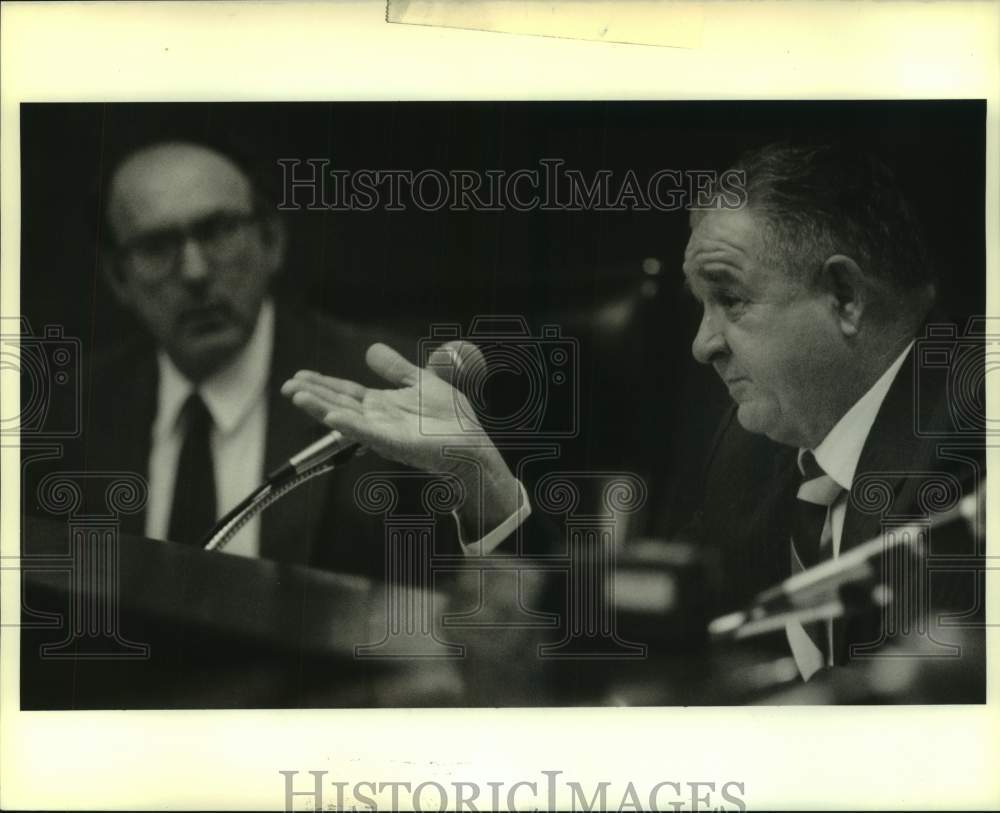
[(822, 200)]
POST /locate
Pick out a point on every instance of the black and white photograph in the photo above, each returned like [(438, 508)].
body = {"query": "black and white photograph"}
[(656, 403), (497, 406)]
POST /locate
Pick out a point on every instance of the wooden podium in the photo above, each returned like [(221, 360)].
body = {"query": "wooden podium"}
[(111, 621)]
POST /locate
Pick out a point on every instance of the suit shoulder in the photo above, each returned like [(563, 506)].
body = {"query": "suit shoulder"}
[(740, 455), (307, 338), (124, 359)]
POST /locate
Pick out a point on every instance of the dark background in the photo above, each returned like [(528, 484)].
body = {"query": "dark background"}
[(644, 405)]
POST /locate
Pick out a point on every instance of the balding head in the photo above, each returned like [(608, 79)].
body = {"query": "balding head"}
[(152, 185), (194, 253)]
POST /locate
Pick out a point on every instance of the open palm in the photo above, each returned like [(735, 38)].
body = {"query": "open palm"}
[(413, 422)]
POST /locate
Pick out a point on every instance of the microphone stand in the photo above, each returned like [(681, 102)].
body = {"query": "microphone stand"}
[(317, 459), (275, 486), (837, 587)]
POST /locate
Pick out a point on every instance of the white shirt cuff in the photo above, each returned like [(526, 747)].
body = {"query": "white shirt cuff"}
[(486, 545)]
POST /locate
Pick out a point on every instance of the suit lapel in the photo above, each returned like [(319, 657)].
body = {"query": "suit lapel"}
[(289, 527), (749, 497), (123, 408), (892, 453)]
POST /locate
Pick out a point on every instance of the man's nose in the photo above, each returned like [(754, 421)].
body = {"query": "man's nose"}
[(194, 266), (708, 341)]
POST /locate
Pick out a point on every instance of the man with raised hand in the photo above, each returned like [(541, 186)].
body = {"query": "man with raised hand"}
[(192, 246), (813, 294)]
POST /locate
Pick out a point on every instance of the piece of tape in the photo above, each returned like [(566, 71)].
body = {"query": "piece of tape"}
[(640, 22)]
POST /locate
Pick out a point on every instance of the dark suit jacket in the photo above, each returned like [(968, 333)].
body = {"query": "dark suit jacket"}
[(318, 524), (914, 444)]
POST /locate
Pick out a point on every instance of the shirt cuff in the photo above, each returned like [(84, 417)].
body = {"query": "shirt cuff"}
[(486, 545)]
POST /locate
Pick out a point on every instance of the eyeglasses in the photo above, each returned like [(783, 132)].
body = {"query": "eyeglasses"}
[(220, 237)]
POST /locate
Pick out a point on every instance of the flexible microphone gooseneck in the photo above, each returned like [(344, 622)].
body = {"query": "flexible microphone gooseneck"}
[(318, 458), (818, 593), (454, 362), (333, 445)]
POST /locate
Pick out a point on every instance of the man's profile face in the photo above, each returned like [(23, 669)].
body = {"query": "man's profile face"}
[(195, 259), (772, 338)]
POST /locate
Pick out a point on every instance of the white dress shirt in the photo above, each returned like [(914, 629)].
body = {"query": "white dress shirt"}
[(838, 455), (488, 543), (237, 399)]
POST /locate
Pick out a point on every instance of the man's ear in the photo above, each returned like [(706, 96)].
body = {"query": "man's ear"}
[(114, 276), (849, 290)]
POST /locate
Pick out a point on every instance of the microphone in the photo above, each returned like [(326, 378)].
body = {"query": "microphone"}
[(452, 362), (332, 446), (821, 591), (459, 362), (317, 458)]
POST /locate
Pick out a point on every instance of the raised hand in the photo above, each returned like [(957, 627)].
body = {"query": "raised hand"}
[(422, 422)]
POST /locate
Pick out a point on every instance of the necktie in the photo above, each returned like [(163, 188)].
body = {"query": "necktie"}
[(192, 513), (812, 541)]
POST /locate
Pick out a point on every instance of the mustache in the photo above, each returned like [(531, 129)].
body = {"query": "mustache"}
[(206, 312)]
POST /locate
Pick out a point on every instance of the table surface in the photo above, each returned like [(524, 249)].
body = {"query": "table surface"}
[(222, 631)]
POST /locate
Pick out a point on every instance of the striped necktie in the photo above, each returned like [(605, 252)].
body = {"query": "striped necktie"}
[(811, 542)]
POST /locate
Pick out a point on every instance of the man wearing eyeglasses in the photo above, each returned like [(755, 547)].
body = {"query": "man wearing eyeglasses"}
[(192, 252), (193, 256)]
